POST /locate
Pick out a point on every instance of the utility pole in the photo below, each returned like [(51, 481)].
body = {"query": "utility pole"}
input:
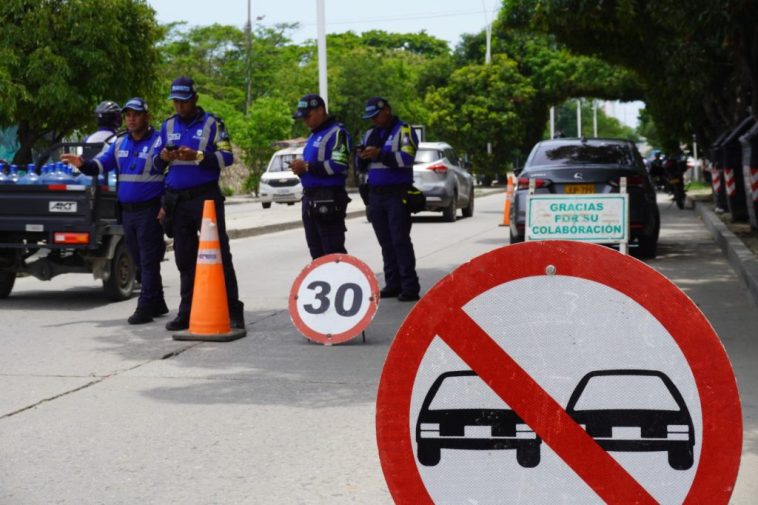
[(578, 117), (321, 30), (552, 122), (248, 62), (488, 56), (594, 118)]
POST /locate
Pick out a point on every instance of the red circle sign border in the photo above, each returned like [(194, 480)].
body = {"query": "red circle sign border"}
[(346, 335), (721, 413)]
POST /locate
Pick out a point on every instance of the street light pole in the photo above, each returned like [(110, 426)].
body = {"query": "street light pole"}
[(248, 63), (321, 29)]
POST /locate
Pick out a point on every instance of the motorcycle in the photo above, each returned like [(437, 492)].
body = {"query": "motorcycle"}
[(673, 172)]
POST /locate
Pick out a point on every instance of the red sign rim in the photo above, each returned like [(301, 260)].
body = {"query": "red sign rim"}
[(324, 338), (721, 413)]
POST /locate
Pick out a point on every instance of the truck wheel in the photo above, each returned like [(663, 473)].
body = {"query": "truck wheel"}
[(120, 284), (7, 280)]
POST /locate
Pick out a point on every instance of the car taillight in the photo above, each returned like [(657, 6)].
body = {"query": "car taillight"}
[(631, 180), (439, 168), (71, 238), (523, 183)]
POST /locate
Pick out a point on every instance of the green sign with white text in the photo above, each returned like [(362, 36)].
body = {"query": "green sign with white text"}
[(589, 218)]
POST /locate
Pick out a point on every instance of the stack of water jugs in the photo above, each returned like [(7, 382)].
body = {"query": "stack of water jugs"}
[(51, 173)]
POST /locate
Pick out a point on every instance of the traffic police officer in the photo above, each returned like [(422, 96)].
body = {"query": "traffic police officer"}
[(140, 187), (323, 171), (387, 152), (194, 146)]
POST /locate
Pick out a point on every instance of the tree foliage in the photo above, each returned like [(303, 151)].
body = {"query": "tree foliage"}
[(60, 58), (697, 60)]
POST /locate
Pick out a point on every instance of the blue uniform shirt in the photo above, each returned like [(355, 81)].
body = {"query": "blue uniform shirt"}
[(394, 164), (205, 132), (326, 152), (138, 179)]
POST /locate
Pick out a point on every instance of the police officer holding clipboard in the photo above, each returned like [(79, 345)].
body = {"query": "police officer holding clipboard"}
[(193, 147), (387, 153), (322, 172)]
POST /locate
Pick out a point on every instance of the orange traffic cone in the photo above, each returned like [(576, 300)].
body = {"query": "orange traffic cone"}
[(209, 315), (508, 198)]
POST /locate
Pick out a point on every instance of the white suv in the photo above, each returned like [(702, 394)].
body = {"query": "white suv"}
[(278, 183)]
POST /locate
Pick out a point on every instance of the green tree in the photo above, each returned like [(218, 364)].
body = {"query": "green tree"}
[(480, 104), (65, 57), (697, 61)]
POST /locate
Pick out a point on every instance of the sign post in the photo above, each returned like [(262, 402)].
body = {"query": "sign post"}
[(334, 299), (576, 375)]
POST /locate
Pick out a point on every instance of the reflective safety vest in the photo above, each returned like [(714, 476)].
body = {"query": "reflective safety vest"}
[(205, 132), (138, 179), (326, 152), (394, 165)]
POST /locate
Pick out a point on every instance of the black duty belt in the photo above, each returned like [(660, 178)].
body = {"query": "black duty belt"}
[(137, 206), (320, 190), (195, 191), (389, 189)]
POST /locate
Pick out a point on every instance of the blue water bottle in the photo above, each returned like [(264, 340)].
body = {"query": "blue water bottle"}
[(31, 176)]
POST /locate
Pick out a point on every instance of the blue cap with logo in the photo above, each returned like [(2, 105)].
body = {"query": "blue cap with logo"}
[(136, 104), (182, 88), (308, 102), (373, 106)]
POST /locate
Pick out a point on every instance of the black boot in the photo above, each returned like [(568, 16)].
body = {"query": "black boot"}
[(180, 322), (237, 316), (159, 308), (141, 316)]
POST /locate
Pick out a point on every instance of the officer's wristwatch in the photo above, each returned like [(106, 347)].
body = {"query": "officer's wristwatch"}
[(199, 155)]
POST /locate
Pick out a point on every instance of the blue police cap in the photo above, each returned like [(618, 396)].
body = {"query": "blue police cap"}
[(182, 88), (373, 106), (308, 102), (136, 104)]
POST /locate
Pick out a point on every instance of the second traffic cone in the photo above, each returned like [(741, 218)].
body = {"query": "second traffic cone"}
[(507, 206), (209, 315)]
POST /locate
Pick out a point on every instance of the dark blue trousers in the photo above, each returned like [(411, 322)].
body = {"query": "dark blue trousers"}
[(188, 217), (144, 240), (392, 224), (325, 235)]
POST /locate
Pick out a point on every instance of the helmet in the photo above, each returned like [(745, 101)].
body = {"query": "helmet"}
[(108, 114)]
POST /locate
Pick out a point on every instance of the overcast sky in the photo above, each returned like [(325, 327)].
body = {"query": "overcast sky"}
[(445, 19)]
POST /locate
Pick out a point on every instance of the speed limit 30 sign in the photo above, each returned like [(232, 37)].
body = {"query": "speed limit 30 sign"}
[(334, 299)]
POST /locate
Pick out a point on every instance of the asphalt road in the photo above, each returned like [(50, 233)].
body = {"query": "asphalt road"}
[(94, 411)]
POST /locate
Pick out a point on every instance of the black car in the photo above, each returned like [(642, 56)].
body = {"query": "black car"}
[(591, 166), (461, 412), (634, 411)]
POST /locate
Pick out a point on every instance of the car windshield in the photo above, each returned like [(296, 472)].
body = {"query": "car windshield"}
[(583, 154), (280, 162), (626, 392), (466, 392), (427, 155)]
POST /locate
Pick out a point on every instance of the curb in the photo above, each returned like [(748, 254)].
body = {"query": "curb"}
[(742, 259)]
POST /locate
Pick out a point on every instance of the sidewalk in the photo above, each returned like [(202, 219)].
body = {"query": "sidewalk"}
[(743, 260)]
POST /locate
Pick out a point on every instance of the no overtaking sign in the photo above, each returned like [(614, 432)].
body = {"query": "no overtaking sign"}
[(574, 375)]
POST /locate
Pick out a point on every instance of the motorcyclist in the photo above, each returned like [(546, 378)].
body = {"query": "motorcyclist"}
[(108, 116)]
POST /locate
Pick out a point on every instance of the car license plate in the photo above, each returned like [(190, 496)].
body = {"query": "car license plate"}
[(579, 189), (282, 191), (626, 432), (477, 431)]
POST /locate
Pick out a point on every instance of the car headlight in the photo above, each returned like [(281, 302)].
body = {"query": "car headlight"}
[(429, 430)]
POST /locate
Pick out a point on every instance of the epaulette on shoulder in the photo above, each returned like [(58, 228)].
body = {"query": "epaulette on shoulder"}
[(216, 117)]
